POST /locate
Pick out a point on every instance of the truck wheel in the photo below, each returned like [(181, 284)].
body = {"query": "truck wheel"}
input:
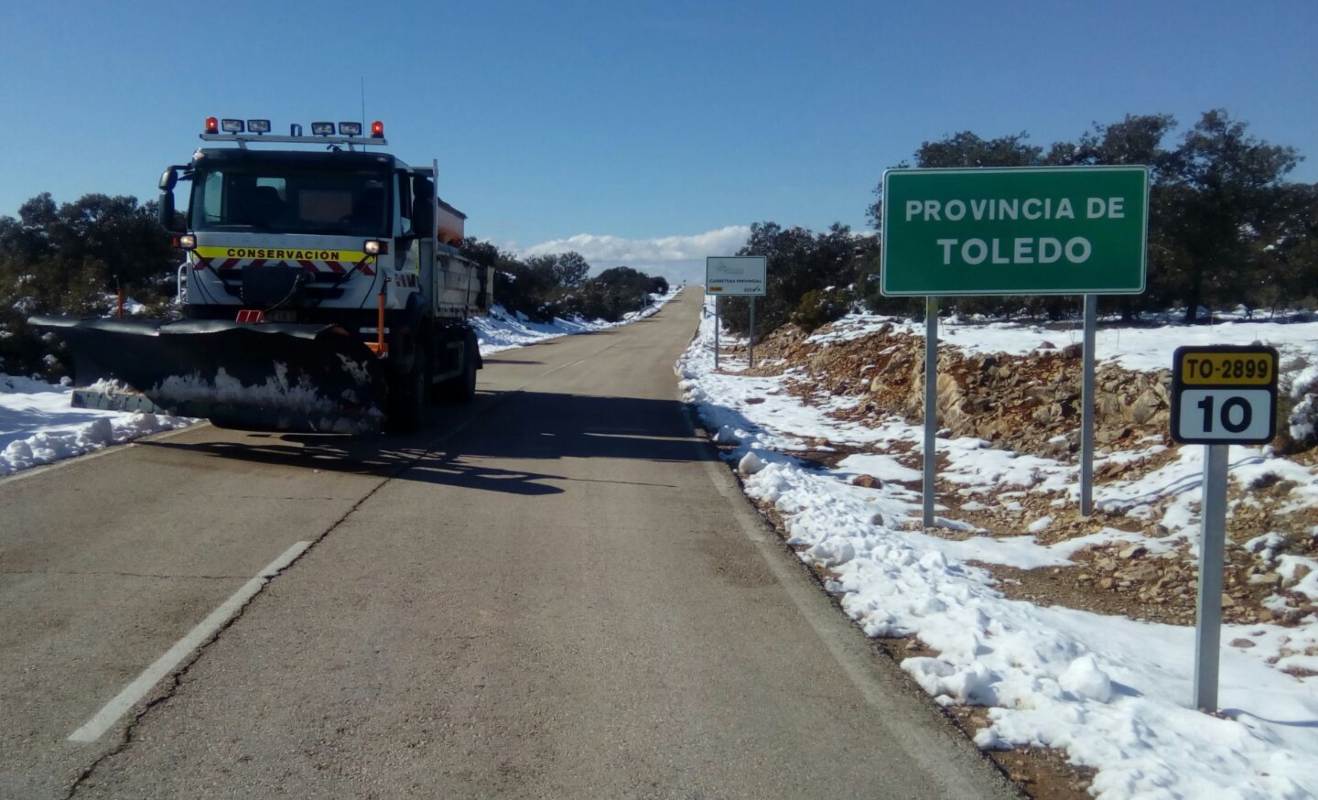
[(466, 389), (462, 387), (407, 396)]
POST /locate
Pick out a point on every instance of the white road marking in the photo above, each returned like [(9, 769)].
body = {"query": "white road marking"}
[(135, 691)]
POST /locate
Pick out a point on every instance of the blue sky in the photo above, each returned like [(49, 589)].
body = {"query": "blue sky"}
[(620, 123)]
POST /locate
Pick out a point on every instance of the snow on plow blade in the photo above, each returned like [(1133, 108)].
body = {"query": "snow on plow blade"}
[(268, 376)]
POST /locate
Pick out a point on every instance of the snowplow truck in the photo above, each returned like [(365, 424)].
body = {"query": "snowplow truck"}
[(323, 289)]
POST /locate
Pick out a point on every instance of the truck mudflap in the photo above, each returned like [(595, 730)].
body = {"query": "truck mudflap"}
[(266, 376)]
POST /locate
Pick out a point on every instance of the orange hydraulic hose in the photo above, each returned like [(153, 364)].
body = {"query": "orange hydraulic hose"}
[(379, 319)]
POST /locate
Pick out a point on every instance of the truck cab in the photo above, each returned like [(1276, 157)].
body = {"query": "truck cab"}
[(323, 288)]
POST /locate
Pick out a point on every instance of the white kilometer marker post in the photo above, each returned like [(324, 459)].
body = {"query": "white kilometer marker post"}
[(1221, 395), (135, 691), (1208, 598)]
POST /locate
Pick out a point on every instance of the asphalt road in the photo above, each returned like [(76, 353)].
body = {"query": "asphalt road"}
[(557, 591)]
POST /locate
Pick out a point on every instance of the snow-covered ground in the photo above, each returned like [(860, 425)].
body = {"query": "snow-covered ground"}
[(1115, 693), (1135, 348), (502, 329), (38, 425)]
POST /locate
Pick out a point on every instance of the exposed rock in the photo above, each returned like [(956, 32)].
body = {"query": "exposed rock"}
[(1145, 406)]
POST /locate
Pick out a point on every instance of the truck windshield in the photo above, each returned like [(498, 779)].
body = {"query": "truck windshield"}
[(288, 198)]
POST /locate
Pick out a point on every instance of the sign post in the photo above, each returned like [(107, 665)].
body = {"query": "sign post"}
[(717, 325), (739, 276), (1221, 396), (1087, 408), (1015, 231), (930, 404), (751, 348), (1212, 561)]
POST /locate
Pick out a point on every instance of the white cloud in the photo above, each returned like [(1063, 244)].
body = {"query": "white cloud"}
[(598, 248)]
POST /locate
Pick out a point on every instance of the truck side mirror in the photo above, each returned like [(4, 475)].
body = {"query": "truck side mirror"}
[(423, 215), (165, 212), (165, 207)]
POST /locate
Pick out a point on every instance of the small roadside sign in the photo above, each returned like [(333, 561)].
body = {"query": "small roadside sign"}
[(1221, 395), (1224, 395), (736, 275)]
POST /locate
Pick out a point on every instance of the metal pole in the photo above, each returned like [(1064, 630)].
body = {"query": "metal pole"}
[(752, 343), (1208, 612), (434, 203), (716, 327), (930, 402), (1087, 409)]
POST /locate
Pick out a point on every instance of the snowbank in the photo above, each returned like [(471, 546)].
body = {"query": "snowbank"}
[(38, 426), (502, 329)]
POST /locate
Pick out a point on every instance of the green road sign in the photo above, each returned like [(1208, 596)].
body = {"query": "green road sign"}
[(1019, 230)]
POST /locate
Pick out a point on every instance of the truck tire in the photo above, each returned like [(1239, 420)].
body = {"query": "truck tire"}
[(407, 395), (462, 388), (466, 389)]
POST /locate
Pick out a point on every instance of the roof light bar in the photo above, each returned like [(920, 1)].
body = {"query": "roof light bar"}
[(256, 130)]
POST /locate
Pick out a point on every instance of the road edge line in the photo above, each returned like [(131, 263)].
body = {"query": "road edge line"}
[(824, 617), (128, 697)]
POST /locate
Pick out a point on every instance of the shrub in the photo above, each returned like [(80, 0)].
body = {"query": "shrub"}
[(819, 307)]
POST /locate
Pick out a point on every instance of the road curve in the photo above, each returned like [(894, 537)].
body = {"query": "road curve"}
[(557, 591)]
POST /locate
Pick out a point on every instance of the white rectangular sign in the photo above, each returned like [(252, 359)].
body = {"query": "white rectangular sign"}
[(736, 275), (1221, 414)]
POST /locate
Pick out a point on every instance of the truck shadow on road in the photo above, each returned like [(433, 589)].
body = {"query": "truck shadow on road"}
[(548, 425), (373, 458), (471, 448)]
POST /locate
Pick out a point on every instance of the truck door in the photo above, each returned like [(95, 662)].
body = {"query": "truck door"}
[(420, 193)]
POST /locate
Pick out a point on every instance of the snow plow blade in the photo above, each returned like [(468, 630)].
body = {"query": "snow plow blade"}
[(267, 376)]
